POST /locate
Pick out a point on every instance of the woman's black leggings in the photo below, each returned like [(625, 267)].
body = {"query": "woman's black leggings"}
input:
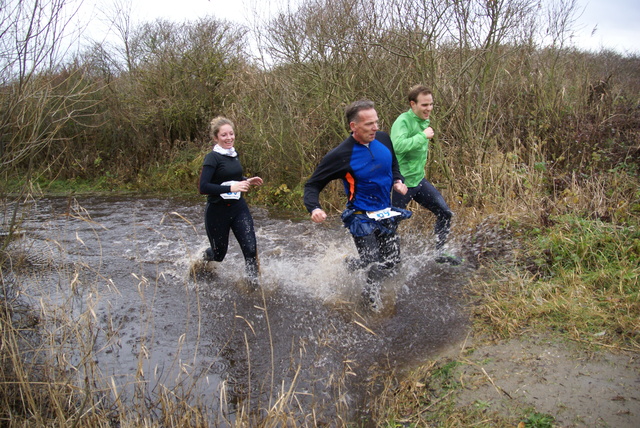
[(222, 217)]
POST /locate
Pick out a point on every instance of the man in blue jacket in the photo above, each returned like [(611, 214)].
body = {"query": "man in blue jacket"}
[(367, 166)]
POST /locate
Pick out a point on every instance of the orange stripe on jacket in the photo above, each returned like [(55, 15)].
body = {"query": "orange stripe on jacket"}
[(352, 185)]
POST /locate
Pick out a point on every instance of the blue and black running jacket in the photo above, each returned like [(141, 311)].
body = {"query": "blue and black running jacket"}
[(368, 174)]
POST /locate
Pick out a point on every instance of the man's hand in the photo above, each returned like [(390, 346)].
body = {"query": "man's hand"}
[(318, 215), (400, 187), (429, 133)]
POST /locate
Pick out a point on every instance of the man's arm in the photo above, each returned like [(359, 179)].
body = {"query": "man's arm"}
[(312, 189), (405, 138), (395, 167), (330, 168)]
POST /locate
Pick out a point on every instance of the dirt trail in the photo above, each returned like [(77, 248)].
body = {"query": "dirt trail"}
[(577, 387)]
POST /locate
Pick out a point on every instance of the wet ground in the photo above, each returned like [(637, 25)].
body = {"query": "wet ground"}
[(541, 374), (129, 268)]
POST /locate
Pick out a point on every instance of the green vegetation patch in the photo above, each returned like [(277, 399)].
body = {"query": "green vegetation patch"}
[(578, 276), (428, 397)]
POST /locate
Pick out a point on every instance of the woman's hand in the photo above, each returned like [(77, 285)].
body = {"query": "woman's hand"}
[(240, 186), (243, 186), (255, 181)]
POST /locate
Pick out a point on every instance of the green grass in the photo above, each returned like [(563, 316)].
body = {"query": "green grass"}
[(577, 276), (586, 278), (539, 420), (573, 275)]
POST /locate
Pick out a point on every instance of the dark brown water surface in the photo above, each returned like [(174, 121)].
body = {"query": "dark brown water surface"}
[(124, 266)]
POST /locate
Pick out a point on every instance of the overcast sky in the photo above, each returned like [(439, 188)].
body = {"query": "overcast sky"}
[(617, 24), (610, 24)]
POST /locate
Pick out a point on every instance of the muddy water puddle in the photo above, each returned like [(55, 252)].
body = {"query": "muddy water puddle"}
[(129, 268)]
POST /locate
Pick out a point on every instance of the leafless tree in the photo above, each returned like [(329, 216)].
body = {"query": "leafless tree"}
[(37, 95)]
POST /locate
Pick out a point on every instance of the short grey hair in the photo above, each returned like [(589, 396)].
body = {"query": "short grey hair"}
[(352, 110)]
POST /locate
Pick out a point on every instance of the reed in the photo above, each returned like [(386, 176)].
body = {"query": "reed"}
[(536, 152), (55, 333)]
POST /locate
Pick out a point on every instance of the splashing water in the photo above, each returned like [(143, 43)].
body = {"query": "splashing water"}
[(165, 319)]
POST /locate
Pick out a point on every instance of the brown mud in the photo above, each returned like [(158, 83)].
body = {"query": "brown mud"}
[(541, 374), (206, 336)]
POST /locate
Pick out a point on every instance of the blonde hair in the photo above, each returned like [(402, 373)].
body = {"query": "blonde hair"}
[(217, 123)]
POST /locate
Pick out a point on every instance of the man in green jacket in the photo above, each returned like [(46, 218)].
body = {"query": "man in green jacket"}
[(410, 134)]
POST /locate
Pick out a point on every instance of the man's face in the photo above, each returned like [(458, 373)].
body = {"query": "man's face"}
[(365, 126), (423, 106)]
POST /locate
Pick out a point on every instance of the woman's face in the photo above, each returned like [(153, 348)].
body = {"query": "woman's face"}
[(226, 137)]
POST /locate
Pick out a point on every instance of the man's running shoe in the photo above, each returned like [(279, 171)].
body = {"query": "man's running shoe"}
[(372, 299), (253, 283), (449, 259), (354, 263)]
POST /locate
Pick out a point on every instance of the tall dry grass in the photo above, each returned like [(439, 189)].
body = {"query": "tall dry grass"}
[(55, 332), (537, 149)]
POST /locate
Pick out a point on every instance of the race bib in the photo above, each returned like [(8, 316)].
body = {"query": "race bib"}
[(382, 214), (230, 195)]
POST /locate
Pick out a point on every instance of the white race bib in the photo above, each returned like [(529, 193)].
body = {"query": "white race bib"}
[(382, 214), (230, 195)]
